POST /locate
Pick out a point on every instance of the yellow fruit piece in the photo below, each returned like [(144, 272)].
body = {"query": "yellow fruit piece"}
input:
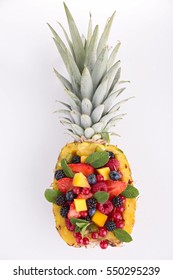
[(80, 204), (79, 180), (83, 158), (99, 218), (104, 171)]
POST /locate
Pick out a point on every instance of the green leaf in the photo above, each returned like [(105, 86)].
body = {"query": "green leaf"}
[(130, 192), (84, 229), (105, 136), (77, 229), (98, 159), (74, 221), (51, 195), (122, 235), (67, 170), (101, 197), (81, 225)]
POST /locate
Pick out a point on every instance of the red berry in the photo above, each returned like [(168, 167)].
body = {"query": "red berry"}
[(85, 191), (83, 214), (117, 216), (77, 234), (115, 187), (120, 224), (65, 184), (123, 199), (99, 187), (102, 232), (76, 190), (85, 168), (79, 240), (106, 207), (85, 241), (100, 178), (103, 244), (113, 164), (94, 235), (120, 209), (69, 225)]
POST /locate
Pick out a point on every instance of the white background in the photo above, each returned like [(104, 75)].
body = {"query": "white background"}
[(31, 136)]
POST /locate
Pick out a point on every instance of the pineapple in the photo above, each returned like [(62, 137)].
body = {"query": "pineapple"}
[(92, 112)]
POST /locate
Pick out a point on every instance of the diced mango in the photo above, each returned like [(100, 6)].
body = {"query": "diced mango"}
[(80, 204), (80, 180), (99, 218), (104, 171), (83, 158)]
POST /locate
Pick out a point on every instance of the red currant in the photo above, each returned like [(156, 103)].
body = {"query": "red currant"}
[(102, 232), (123, 199), (100, 178), (79, 240), (120, 224), (83, 214), (77, 190), (85, 191), (120, 209), (77, 234), (103, 244), (117, 216), (94, 235), (85, 241)]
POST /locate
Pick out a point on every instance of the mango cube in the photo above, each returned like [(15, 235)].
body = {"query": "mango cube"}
[(80, 204), (104, 171), (83, 158), (99, 218), (80, 180)]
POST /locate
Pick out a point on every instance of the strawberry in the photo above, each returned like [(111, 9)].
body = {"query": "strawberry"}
[(85, 168), (115, 187), (65, 184), (72, 212)]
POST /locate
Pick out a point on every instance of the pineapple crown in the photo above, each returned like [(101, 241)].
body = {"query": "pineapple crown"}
[(94, 83)]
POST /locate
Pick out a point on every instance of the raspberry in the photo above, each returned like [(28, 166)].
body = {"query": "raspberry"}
[(91, 202), (123, 199), (69, 225), (113, 164), (100, 178), (99, 187), (117, 201), (77, 190), (104, 244), (61, 200), (85, 191), (64, 211), (110, 225), (106, 207), (102, 232)]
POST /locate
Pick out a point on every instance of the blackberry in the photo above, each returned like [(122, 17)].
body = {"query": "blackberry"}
[(76, 159), (114, 175), (91, 202), (110, 225), (64, 211), (92, 179), (111, 155), (59, 174), (117, 201), (61, 200)]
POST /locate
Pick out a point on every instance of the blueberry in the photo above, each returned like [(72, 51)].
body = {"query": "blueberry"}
[(70, 195), (111, 155), (76, 159), (92, 179), (91, 211), (114, 175)]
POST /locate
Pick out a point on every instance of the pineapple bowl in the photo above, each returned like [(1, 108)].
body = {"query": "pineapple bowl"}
[(93, 195)]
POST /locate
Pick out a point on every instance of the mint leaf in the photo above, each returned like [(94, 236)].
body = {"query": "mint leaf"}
[(81, 225), (77, 229), (84, 229), (97, 159), (51, 195), (101, 197), (122, 235), (67, 170), (75, 220), (130, 192)]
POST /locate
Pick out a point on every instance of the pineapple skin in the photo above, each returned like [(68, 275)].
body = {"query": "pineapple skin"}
[(84, 149)]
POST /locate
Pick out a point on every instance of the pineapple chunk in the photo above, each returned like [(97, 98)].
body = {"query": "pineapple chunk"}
[(104, 171), (80, 180), (99, 218), (83, 158), (80, 204)]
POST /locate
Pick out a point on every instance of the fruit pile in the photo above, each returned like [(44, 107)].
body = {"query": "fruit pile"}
[(91, 196)]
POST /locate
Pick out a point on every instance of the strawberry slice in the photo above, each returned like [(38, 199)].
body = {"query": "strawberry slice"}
[(65, 184), (85, 168), (72, 212), (115, 187)]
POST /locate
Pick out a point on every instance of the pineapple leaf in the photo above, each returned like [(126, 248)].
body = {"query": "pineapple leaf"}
[(86, 106), (90, 58), (100, 93), (64, 104), (97, 113), (76, 39), (111, 74), (76, 117), (117, 105), (77, 129), (89, 35), (86, 84), (89, 132), (73, 96), (74, 136), (98, 127), (104, 38), (100, 67), (115, 82), (110, 101), (68, 40), (85, 121), (105, 136), (63, 80), (113, 55)]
